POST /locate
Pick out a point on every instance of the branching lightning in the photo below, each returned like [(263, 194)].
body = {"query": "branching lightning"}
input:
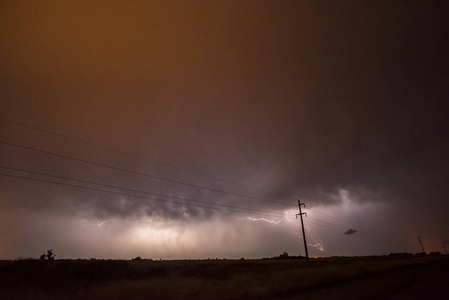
[(318, 244)]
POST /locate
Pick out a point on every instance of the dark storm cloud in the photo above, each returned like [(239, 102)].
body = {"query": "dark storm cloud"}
[(303, 99)]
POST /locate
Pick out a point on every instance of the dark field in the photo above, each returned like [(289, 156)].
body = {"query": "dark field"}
[(325, 278)]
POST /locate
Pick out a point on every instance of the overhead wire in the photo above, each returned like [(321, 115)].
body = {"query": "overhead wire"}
[(128, 189), (227, 207), (327, 223), (171, 166), (323, 225), (147, 175), (373, 231), (141, 158), (162, 164), (141, 174), (219, 207), (236, 210), (340, 229), (365, 229), (329, 216)]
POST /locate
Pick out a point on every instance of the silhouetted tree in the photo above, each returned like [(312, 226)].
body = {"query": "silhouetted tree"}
[(50, 255)]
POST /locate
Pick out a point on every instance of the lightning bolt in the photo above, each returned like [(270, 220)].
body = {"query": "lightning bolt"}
[(95, 224), (318, 243), (267, 220)]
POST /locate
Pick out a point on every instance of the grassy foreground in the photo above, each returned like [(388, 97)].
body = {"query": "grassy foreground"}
[(201, 279)]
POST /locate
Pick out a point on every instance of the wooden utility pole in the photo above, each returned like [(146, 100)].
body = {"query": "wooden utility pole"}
[(302, 225), (419, 239)]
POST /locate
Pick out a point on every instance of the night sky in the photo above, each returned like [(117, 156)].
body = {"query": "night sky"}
[(235, 110)]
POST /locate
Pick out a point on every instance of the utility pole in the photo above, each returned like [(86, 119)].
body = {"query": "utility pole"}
[(302, 225), (442, 243), (419, 239)]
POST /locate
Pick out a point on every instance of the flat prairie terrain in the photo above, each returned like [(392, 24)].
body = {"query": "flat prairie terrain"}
[(377, 277)]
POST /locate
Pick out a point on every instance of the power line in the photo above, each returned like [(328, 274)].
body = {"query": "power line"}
[(324, 214), (141, 174), (265, 213), (334, 225), (365, 229), (135, 196), (225, 208), (166, 165), (342, 228), (338, 227), (332, 217), (163, 164), (343, 221), (133, 190), (334, 228), (171, 166), (140, 157), (319, 224), (329, 225), (261, 199)]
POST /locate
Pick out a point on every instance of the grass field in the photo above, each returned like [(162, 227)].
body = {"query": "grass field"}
[(206, 279)]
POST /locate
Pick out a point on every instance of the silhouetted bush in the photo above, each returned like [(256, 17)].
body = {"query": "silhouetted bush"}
[(283, 255), (50, 255)]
